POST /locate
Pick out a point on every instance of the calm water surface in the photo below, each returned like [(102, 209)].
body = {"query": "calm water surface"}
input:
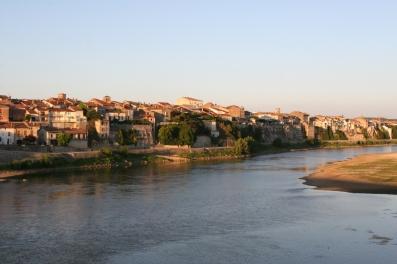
[(251, 211)]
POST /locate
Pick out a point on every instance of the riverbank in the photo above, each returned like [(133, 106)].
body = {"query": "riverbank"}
[(108, 159), (374, 173), (121, 157)]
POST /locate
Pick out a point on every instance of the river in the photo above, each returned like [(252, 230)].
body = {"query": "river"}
[(250, 211)]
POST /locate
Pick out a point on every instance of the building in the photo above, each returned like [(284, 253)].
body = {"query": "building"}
[(102, 126), (236, 111), (4, 113), (5, 99), (17, 113), (189, 101), (15, 132), (67, 118), (48, 136), (301, 115), (212, 127), (7, 134)]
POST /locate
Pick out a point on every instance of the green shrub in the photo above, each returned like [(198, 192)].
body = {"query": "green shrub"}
[(107, 151), (63, 139)]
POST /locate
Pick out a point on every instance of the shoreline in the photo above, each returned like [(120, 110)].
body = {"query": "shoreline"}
[(128, 160), (368, 173)]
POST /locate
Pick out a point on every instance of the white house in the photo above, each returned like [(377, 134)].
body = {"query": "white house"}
[(7, 134), (189, 101)]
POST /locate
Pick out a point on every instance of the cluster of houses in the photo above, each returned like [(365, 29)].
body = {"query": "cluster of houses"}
[(31, 121)]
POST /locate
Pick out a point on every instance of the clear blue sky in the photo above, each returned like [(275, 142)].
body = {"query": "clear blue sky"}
[(332, 57)]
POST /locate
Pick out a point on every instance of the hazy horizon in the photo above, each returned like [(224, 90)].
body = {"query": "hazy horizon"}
[(336, 57)]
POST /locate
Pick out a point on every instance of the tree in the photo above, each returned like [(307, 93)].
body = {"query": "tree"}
[(92, 115), (186, 136), (127, 137), (64, 139), (243, 146), (93, 136), (340, 135), (120, 137), (29, 140), (134, 134), (381, 133), (83, 107), (394, 132), (28, 118), (169, 135)]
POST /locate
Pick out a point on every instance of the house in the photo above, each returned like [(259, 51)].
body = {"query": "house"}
[(67, 118), (17, 112), (189, 101), (212, 127), (267, 116), (101, 105), (61, 101), (16, 132), (115, 111), (117, 115), (7, 134), (5, 99), (163, 109), (102, 126), (215, 109), (4, 113), (304, 117), (126, 109), (48, 136), (236, 111)]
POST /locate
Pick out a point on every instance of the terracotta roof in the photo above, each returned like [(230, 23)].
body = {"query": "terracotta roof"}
[(99, 102), (192, 99), (234, 106), (65, 130), (60, 110), (16, 125)]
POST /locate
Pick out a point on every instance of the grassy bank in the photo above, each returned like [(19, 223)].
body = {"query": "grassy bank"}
[(358, 143), (106, 159), (121, 158)]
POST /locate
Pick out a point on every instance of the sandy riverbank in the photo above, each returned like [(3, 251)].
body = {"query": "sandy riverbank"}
[(373, 173)]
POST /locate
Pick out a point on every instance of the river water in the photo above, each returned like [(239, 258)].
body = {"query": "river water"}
[(251, 211)]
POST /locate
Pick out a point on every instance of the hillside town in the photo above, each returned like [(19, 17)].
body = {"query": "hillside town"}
[(63, 121)]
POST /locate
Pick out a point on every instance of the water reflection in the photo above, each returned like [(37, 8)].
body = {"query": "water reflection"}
[(250, 211)]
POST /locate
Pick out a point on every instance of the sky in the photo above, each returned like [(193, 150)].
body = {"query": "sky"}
[(328, 57)]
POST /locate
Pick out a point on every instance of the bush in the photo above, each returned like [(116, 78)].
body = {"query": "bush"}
[(243, 146), (186, 136), (127, 137), (93, 136), (107, 151), (63, 139), (30, 140), (177, 135), (169, 134)]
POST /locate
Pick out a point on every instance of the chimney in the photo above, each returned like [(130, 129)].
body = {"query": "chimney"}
[(107, 99)]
